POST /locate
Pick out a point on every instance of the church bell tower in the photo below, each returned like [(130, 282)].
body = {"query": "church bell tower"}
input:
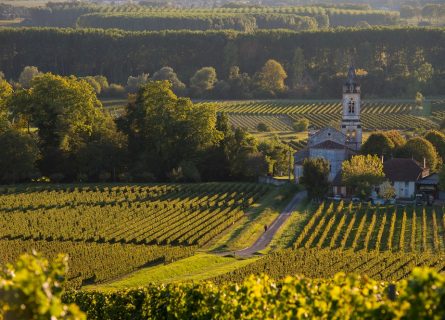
[(351, 125)]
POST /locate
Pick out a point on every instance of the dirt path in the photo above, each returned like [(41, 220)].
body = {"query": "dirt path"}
[(267, 236)]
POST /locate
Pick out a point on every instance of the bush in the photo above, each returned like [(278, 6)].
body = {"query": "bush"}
[(301, 125), (343, 297), (114, 90), (262, 127), (32, 289)]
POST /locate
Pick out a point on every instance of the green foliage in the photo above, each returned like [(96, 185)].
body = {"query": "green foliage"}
[(110, 230), (378, 144), (250, 52), (270, 80), (277, 156), (362, 173), (442, 177), (167, 73), (18, 157), (262, 127), (420, 149), (315, 177), (203, 81), (5, 93), (68, 116), (374, 115), (165, 131), (135, 83), (437, 139), (32, 289), (396, 138), (300, 125), (343, 297), (387, 191), (27, 75)]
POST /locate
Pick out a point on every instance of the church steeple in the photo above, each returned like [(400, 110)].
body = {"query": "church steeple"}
[(351, 125)]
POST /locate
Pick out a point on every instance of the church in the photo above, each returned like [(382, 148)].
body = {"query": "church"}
[(335, 145)]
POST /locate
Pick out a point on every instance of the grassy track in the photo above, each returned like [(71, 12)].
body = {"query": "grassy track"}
[(251, 226), (199, 267)]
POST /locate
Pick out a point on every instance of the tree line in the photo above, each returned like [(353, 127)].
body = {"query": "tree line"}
[(394, 61), (57, 128), (66, 15), (195, 21)]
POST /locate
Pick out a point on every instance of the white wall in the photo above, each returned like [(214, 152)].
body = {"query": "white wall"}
[(405, 189)]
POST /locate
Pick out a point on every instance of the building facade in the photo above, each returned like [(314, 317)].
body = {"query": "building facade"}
[(334, 145)]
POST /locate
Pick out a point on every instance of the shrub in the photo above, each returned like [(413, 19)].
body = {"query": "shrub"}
[(301, 125), (262, 127)]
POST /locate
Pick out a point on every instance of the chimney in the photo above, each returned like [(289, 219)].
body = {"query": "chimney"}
[(383, 159), (424, 162)]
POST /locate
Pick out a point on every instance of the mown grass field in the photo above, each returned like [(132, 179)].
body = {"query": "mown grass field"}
[(201, 266)]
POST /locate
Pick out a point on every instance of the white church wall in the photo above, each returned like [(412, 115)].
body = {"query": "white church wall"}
[(327, 134)]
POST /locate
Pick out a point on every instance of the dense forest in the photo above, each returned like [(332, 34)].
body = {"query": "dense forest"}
[(392, 61)]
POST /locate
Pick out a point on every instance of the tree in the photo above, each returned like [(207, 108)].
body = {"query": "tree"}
[(442, 178), (26, 76), (424, 73), (300, 125), (203, 81), (419, 149), (437, 139), (378, 144), (68, 116), (270, 79), (408, 12), (315, 177), (240, 84), (297, 68), (276, 155), (165, 131), (102, 81), (134, 83), (262, 127), (387, 191), (5, 94), (32, 289), (167, 73), (240, 148), (18, 157), (362, 173), (93, 83), (396, 138)]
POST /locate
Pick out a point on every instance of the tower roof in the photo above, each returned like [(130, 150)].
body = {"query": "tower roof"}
[(351, 85), (352, 76)]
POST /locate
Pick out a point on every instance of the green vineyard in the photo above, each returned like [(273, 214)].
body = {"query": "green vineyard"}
[(110, 230), (374, 229), (325, 263), (280, 115), (91, 262), (157, 214), (384, 243)]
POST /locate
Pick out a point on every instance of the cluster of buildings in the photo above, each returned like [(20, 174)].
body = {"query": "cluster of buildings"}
[(406, 175)]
